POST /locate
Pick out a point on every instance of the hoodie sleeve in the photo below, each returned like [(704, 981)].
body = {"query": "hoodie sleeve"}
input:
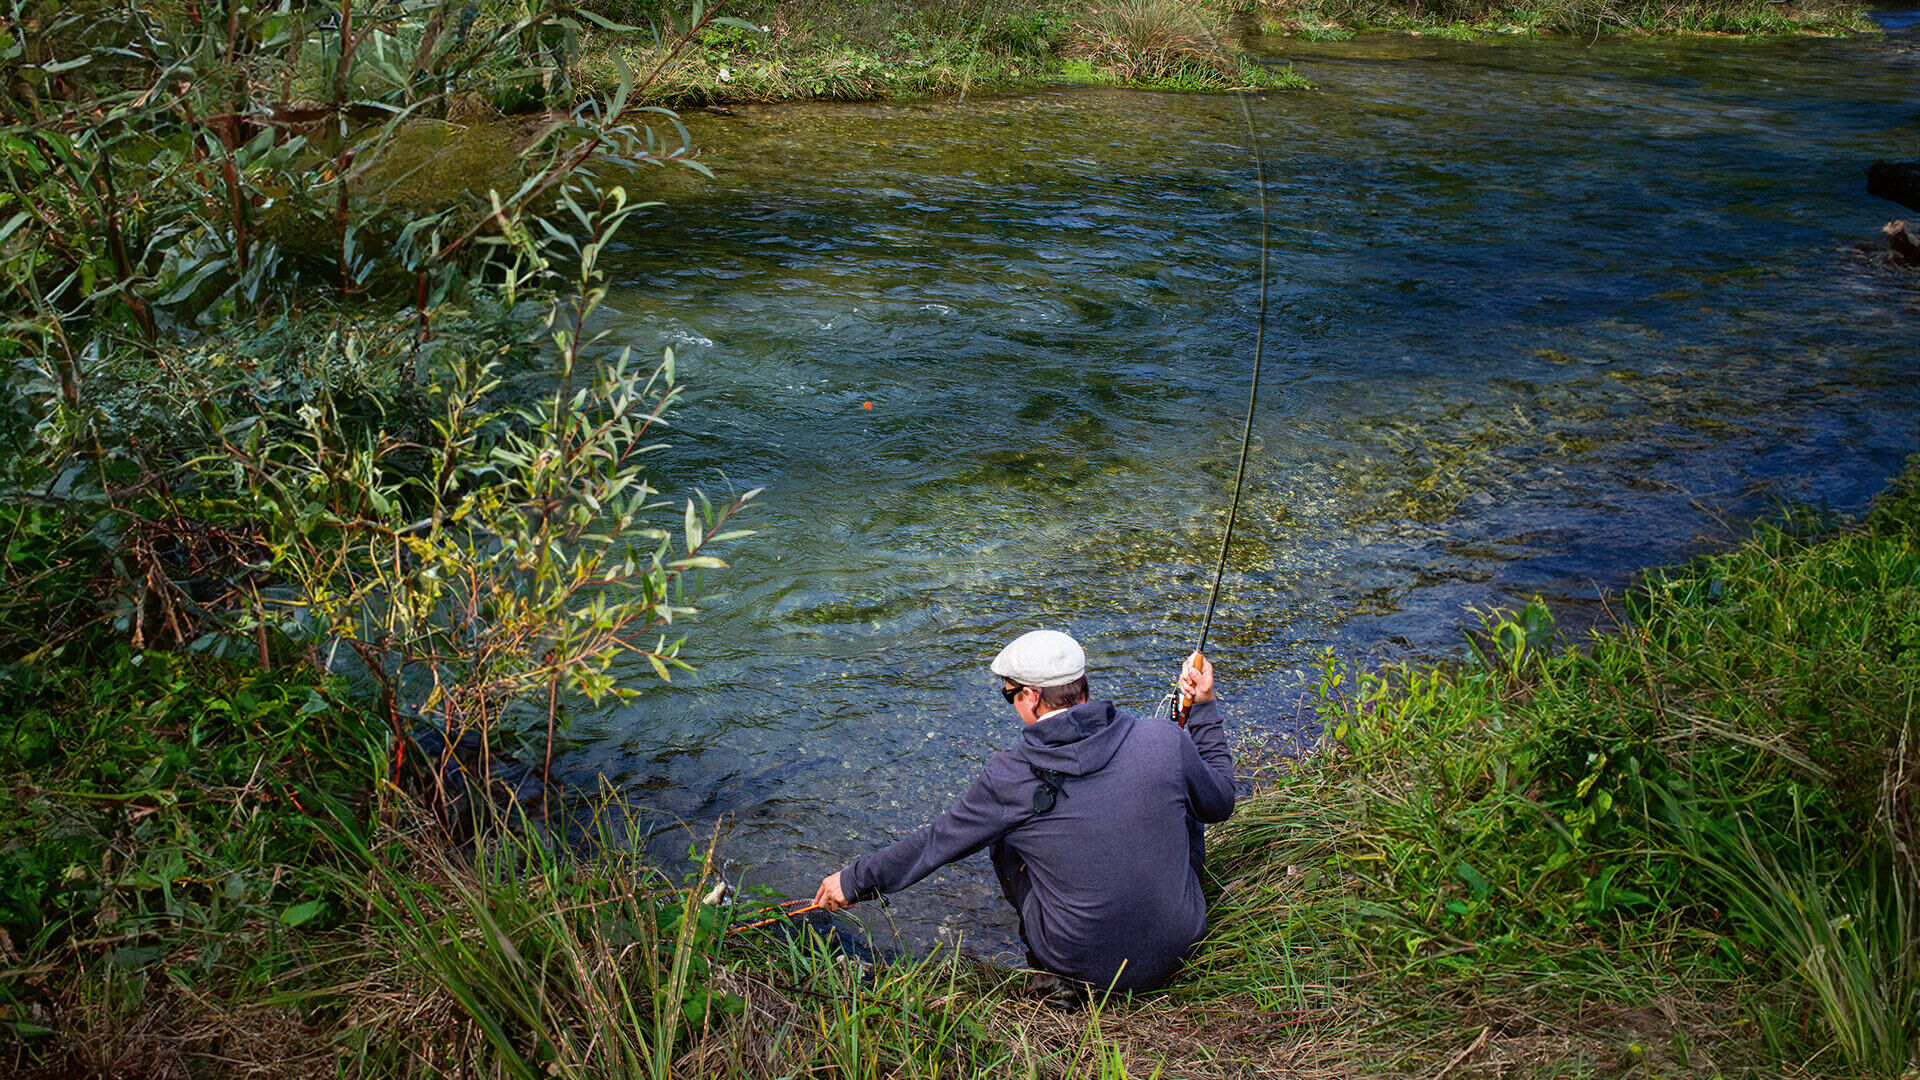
[(1209, 768), (980, 817)]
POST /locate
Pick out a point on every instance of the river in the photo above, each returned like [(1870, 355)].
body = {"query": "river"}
[(1543, 313)]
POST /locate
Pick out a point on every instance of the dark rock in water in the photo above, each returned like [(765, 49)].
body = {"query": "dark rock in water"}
[(1898, 181), (455, 782), (1905, 249)]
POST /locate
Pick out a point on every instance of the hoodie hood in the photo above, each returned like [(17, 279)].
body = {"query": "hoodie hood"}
[(1078, 741)]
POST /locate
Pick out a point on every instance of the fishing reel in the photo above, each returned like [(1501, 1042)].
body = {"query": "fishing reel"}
[(1175, 706)]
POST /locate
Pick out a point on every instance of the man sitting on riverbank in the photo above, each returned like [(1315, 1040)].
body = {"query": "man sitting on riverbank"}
[(1093, 820)]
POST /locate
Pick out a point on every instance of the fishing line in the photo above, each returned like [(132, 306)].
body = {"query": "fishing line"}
[(1253, 387), (1176, 704)]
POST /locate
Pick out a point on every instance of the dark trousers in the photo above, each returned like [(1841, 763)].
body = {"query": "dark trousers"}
[(1015, 885)]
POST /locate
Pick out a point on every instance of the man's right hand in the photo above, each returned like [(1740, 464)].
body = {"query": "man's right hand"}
[(830, 896), (1196, 679)]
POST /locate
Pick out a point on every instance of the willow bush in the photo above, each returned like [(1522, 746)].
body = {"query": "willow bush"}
[(514, 549), (286, 435), (270, 390)]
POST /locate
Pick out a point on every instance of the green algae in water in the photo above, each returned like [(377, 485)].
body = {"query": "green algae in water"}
[(1036, 471), (872, 611)]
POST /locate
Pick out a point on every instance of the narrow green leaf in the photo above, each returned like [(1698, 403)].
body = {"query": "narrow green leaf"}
[(59, 66), (302, 913), (12, 224)]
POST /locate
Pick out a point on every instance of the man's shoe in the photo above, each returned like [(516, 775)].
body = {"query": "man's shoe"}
[(1055, 992)]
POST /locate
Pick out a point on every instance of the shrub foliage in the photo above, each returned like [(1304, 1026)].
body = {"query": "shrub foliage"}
[(1720, 787)]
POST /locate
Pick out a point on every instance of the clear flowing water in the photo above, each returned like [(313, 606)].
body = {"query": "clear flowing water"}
[(1545, 313)]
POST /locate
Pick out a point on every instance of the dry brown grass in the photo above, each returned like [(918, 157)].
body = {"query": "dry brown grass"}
[(1540, 1035), (786, 1030), (176, 1034), (1232, 1039)]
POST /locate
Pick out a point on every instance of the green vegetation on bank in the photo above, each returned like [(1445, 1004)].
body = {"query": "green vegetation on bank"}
[(1684, 850), (296, 463), (1321, 20), (878, 49), (825, 49)]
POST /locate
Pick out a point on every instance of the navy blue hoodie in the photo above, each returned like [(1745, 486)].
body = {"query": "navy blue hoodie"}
[(1109, 892)]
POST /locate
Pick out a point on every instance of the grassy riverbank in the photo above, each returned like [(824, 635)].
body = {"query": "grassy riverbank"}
[(1335, 19), (1681, 851), (1684, 850)]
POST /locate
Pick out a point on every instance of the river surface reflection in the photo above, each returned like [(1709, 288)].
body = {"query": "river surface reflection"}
[(1544, 313)]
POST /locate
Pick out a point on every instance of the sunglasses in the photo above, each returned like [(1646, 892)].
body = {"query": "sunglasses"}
[(1011, 692)]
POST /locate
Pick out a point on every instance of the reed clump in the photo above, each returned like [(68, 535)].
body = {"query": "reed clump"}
[(1152, 41)]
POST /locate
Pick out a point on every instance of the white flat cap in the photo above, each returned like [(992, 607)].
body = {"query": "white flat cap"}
[(1041, 658)]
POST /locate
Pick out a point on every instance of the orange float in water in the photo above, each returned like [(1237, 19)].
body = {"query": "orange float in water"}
[(866, 404)]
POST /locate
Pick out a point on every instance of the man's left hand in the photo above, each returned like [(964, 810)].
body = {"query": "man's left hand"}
[(831, 897), (1196, 679)]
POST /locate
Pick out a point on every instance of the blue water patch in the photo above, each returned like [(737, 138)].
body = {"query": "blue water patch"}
[(1892, 19)]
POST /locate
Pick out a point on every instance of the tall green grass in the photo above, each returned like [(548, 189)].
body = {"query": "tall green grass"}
[(554, 972), (1846, 934), (1712, 801), (513, 958)]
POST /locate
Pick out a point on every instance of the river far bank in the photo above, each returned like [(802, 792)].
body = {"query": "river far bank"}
[(798, 50), (1682, 848)]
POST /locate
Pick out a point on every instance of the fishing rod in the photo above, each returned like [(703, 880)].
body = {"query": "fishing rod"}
[(1185, 705)]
